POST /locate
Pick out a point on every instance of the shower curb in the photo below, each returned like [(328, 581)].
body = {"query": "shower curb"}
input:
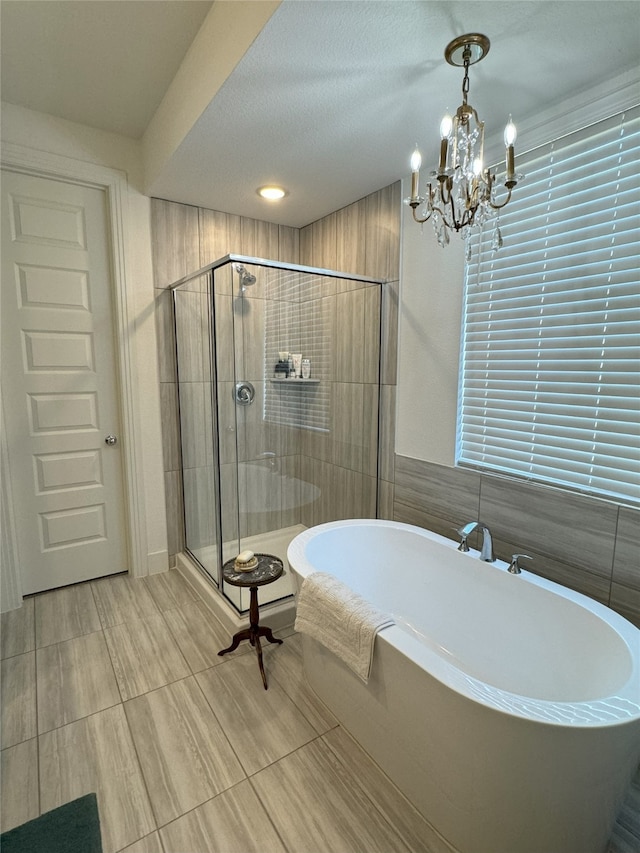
[(279, 615)]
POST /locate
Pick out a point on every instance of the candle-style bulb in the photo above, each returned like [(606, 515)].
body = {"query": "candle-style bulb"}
[(445, 126), (510, 133), (445, 132), (416, 162), (509, 139)]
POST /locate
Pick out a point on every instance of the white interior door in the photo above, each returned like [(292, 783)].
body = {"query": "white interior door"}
[(59, 382)]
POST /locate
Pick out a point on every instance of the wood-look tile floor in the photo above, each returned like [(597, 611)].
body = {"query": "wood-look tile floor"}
[(115, 686)]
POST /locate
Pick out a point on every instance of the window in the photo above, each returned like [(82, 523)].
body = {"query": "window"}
[(550, 380)]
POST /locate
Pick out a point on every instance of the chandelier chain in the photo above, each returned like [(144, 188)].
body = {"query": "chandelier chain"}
[(465, 80)]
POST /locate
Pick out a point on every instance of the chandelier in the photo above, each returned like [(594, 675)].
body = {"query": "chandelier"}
[(464, 194)]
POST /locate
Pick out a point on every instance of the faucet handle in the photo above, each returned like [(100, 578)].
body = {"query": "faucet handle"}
[(514, 568), (464, 532)]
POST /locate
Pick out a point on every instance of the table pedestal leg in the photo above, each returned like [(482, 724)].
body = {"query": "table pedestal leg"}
[(253, 633)]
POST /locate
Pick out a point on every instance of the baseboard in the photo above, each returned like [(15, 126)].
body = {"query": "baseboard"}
[(158, 561)]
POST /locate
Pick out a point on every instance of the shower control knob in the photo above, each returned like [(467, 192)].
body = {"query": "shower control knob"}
[(243, 393), (111, 440)]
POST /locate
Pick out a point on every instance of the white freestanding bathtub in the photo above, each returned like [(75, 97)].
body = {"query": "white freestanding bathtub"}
[(505, 707)]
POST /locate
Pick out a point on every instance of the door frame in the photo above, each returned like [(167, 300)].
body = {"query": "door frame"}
[(113, 182)]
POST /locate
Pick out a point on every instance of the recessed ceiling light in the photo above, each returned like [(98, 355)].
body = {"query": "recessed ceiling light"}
[(272, 193)]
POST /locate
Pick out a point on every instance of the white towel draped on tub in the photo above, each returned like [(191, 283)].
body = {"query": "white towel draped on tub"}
[(341, 620)]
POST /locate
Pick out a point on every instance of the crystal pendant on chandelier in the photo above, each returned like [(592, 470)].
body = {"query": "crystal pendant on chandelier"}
[(467, 249), (462, 192), (441, 232), (497, 242)]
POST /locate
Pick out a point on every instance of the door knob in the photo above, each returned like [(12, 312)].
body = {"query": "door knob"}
[(110, 440)]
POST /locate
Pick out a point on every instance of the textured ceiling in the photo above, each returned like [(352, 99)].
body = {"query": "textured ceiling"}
[(97, 62), (332, 96)]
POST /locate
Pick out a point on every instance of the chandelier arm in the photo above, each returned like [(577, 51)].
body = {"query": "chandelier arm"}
[(419, 219), (470, 200), (443, 216), (456, 225), (467, 219), (504, 203), (447, 184)]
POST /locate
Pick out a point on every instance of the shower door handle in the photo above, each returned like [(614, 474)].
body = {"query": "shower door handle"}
[(244, 393)]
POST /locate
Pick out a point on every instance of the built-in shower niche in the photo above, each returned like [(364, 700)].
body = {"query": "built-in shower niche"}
[(265, 457)]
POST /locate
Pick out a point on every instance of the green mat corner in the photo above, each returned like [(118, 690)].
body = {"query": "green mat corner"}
[(71, 828)]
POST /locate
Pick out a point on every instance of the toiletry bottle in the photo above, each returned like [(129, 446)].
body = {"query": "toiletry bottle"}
[(306, 368)]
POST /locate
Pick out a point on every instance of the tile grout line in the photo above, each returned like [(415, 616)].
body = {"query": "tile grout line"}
[(196, 807), (217, 719), (357, 783), (191, 675), (142, 776), (35, 675), (104, 637), (124, 713), (266, 810), (126, 718)]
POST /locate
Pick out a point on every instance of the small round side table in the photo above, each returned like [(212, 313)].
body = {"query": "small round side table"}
[(269, 569)]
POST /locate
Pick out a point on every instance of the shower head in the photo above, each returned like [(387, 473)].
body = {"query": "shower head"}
[(246, 278)]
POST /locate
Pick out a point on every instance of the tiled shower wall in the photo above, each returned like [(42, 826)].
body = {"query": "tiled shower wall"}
[(363, 239), (321, 437), (184, 239)]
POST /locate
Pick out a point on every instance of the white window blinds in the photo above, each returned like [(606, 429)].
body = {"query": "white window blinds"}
[(550, 380)]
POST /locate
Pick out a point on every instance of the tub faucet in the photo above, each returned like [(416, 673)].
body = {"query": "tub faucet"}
[(487, 553)]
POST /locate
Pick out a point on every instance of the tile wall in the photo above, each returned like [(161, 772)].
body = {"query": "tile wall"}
[(322, 437), (590, 545), (362, 239), (587, 544), (196, 416), (184, 239)]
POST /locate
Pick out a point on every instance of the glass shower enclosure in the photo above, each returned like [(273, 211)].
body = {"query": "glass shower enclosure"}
[(272, 444)]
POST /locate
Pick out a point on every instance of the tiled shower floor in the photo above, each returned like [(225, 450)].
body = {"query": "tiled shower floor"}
[(115, 686)]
